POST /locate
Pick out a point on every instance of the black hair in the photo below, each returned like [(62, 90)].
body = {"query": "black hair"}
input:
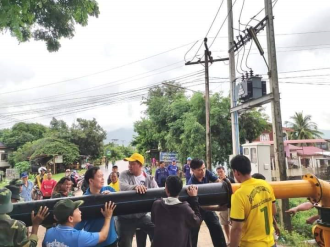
[(63, 221), (196, 163), (259, 176), (220, 167), (90, 173), (241, 164), (161, 162), (174, 185)]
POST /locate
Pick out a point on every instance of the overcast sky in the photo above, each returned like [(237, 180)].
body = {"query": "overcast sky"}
[(127, 31)]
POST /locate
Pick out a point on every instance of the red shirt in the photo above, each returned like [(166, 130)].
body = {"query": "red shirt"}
[(47, 187)]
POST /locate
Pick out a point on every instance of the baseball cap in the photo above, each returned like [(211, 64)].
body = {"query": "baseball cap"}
[(14, 191), (16, 182), (189, 158), (64, 208), (5, 201), (136, 157), (24, 175)]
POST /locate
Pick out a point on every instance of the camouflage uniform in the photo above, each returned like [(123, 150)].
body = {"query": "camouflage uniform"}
[(12, 232)]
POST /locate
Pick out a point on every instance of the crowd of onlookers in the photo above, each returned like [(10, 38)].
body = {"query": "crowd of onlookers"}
[(248, 222)]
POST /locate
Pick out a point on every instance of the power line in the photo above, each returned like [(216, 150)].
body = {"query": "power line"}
[(207, 33), (96, 99), (222, 24), (96, 73)]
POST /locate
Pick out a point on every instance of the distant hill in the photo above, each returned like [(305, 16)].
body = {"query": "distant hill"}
[(121, 134), (326, 134)]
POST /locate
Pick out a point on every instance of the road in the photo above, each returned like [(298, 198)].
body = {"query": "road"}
[(204, 237)]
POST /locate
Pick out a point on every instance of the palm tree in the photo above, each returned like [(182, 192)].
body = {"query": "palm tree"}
[(303, 127)]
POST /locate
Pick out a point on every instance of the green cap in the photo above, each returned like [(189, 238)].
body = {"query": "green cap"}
[(5, 201), (16, 181), (15, 190), (64, 208)]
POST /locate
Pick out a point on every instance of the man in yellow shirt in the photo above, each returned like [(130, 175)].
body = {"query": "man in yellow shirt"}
[(114, 181), (252, 208)]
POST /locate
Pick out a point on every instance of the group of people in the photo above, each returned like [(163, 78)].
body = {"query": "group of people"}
[(171, 222)]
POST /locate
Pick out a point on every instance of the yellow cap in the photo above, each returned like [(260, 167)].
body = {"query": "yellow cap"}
[(136, 157)]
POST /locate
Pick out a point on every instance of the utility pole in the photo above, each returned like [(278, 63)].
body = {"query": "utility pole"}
[(208, 58), (207, 108), (232, 78), (276, 108)]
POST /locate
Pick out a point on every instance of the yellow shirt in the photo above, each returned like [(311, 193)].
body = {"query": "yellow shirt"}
[(252, 203), (115, 186)]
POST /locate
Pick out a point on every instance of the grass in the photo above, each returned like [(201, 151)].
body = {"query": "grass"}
[(300, 230)]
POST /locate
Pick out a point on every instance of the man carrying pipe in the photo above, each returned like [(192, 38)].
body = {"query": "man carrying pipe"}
[(252, 208), (94, 177), (203, 176), (135, 179)]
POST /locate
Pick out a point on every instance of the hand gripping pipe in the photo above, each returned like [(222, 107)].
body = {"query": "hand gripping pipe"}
[(128, 202)]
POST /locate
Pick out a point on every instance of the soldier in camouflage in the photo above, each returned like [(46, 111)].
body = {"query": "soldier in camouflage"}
[(14, 232)]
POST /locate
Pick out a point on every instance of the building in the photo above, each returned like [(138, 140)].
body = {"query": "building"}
[(303, 156), (268, 135), (4, 152)]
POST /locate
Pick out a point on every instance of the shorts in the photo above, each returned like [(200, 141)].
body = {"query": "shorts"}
[(224, 217)]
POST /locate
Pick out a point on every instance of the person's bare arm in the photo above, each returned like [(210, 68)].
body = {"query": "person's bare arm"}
[(235, 233), (274, 209), (312, 219), (302, 207), (109, 207)]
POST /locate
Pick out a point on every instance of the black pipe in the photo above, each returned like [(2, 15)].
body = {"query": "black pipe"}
[(128, 202)]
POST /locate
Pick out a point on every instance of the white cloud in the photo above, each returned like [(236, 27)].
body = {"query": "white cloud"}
[(130, 30)]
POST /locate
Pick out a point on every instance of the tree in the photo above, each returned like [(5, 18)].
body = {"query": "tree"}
[(22, 133), (147, 137), (59, 129), (46, 20), (175, 122), (48, 147), (252, 123), (303, 127), (88, 135)]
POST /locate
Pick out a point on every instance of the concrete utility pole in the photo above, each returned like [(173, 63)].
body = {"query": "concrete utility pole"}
[(208, 58), (207, 109), (276, 107), (232, 78)]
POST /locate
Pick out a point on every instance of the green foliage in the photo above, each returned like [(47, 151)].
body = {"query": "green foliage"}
[(300, 230), (175, 122), (45, 20), (47, 147), (88, 135), (118, 152), (291, 239), (252, 123), (22, 133), (303, 127), (23, 166)]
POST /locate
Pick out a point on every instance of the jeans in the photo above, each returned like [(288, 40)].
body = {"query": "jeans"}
[(212, 223), (127, 227)]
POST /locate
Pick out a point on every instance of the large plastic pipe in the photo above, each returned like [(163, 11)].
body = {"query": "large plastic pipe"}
[(127, 202), (290, 189)]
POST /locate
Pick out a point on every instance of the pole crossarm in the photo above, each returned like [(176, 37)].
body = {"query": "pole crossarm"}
[(200, 61), (244, 39), (253, 103)]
